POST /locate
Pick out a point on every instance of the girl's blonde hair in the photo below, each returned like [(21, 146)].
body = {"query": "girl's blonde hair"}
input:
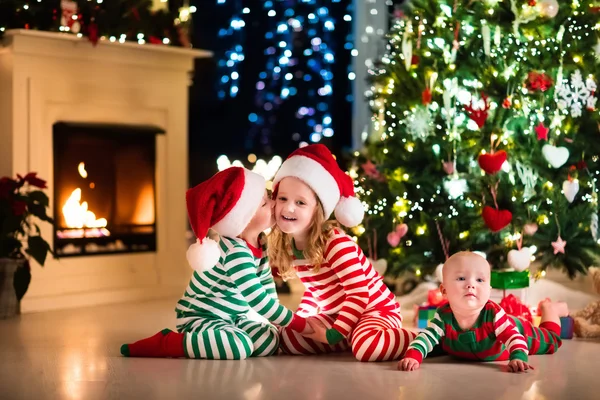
[(280, 250)]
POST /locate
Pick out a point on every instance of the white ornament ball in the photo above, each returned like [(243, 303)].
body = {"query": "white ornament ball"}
[(570, 189), (548, 8), (519, 259), (438, 272)]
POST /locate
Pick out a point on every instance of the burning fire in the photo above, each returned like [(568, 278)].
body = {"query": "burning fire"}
[(77, 214)]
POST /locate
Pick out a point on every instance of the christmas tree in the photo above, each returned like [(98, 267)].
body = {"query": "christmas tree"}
[(142, 21), (485, 136)]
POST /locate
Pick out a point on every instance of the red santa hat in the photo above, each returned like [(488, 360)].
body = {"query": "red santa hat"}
[(315, 165), (226, 203)]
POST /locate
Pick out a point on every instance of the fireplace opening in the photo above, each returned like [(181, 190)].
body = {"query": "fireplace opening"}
[(104, 188)]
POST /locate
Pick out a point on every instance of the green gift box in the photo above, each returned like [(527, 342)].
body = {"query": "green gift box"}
[(510, 279), (423, 315)]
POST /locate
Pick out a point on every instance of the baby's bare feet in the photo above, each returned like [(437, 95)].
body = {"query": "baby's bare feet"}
[(559, 308)]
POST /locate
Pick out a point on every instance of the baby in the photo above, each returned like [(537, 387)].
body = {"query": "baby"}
[(473, 327)]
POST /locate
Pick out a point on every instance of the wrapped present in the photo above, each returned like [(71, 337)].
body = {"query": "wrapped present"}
[(510, 279), (513, 306), (566, 327), (423, 315), (426, 311), (505, 283)]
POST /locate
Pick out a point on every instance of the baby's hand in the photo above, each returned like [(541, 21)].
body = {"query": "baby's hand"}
[(408, 364), (518, 366)]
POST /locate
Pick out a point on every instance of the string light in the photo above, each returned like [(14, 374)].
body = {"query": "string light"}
[(510, 54), (116, 25), (300, 49)]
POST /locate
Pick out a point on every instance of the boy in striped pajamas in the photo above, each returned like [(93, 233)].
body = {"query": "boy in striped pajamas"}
[(473, 327), (231, 276), (345, 298)]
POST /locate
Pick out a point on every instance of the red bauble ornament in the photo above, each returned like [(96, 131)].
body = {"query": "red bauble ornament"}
[(426, 96), (492, 163), (507, 103), (495, 219)]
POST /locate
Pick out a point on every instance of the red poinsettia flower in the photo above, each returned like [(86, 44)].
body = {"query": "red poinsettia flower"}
[(33, 180), (19, 207), (7, 186)]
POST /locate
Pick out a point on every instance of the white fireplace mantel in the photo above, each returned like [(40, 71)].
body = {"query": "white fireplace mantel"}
[(48, 77)]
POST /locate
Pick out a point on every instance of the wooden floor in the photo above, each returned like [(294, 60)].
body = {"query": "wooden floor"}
[(75, 355)]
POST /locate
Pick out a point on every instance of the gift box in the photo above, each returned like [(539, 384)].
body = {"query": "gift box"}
[(506, 283), (510, 279), (423, 315), (566, 327)]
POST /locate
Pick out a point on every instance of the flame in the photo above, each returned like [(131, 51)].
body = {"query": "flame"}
[(81, 169), (77, 214)]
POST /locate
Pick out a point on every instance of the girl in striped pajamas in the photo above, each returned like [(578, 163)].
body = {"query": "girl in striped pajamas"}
[(231, 277), (473, 327), (345, 298)]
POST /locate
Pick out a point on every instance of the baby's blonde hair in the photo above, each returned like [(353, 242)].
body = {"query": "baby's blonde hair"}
[(280, 250)]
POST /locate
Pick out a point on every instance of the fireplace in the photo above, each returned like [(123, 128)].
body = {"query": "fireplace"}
[(60, 101), (104, 188)]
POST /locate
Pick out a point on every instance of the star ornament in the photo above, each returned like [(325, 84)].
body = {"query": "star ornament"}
[(559, 245), (541, 131)]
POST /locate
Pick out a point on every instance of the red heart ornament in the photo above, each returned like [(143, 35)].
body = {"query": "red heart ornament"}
[(496, 220), (492, 163)]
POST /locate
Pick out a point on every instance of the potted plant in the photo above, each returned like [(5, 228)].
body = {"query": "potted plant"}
[(22, 206)]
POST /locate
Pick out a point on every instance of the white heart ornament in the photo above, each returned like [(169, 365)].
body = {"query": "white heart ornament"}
[(556, 156), (379, 265), (519, 259), (570, 189)]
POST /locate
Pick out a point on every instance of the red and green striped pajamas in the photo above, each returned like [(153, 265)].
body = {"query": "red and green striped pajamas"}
[(496, 336), (349, 297)]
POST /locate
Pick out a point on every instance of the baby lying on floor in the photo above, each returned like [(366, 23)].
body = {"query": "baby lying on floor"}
[(473, 327)]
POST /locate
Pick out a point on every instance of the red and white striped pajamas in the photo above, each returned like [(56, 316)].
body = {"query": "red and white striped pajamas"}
[(349, 296)]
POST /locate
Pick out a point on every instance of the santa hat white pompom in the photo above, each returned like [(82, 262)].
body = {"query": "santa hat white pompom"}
[(349, 211), (203, 256), (226, 203)]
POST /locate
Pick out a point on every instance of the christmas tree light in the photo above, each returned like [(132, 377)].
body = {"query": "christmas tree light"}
[(485, 122)]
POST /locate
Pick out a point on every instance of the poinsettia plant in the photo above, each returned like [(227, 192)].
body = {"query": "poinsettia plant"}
[(22, 205)]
